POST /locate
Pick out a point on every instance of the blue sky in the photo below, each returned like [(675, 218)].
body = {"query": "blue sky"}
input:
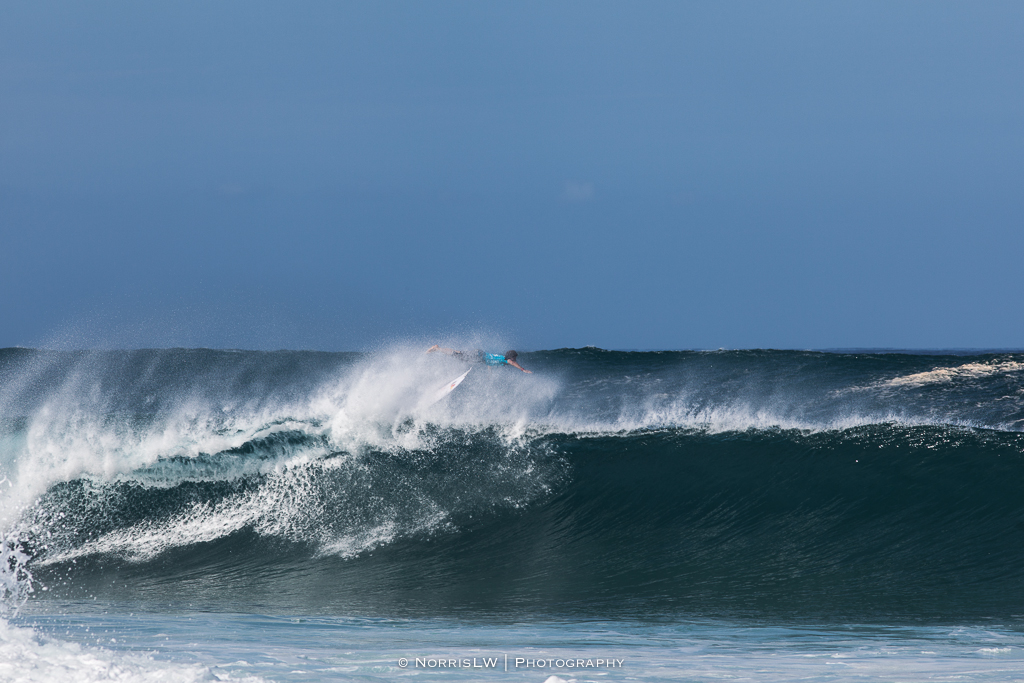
[(629, 175)]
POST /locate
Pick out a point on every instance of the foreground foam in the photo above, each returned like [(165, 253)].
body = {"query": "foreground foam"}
[(28, 657)]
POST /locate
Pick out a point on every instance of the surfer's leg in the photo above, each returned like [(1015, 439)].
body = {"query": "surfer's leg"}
[(450, 352)]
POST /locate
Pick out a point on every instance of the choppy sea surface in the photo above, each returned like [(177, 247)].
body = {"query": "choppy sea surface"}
[(190, 514)]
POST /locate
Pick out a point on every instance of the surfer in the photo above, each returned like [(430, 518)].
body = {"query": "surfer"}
[(480, 357)]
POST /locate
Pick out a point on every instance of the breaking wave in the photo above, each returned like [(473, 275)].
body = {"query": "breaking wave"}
[(723, 482)]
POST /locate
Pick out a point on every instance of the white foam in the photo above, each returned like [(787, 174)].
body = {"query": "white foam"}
[(15, 577), (66, 441), (377, 403), (384, 402), (946, 375), (356, 543), (284, 506), (27, 657)]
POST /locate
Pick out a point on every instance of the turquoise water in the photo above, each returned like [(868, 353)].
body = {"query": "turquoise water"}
[(199, 646)]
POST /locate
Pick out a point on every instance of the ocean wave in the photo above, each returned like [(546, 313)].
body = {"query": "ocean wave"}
[(882, 512), (722, 478)]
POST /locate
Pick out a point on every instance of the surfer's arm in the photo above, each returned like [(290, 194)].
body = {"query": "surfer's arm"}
[(517, 365)]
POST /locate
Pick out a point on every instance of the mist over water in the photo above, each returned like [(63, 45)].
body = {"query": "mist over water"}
[(739, 485)]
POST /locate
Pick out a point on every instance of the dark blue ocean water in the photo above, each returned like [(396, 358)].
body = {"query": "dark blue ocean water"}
[(778, 515)]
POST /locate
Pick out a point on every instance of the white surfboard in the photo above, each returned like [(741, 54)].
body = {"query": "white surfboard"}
[(447, 388)]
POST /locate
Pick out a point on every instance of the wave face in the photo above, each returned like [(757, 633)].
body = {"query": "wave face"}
[(730, 483)]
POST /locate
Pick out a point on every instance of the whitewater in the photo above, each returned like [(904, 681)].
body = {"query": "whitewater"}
[(194, 514)]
